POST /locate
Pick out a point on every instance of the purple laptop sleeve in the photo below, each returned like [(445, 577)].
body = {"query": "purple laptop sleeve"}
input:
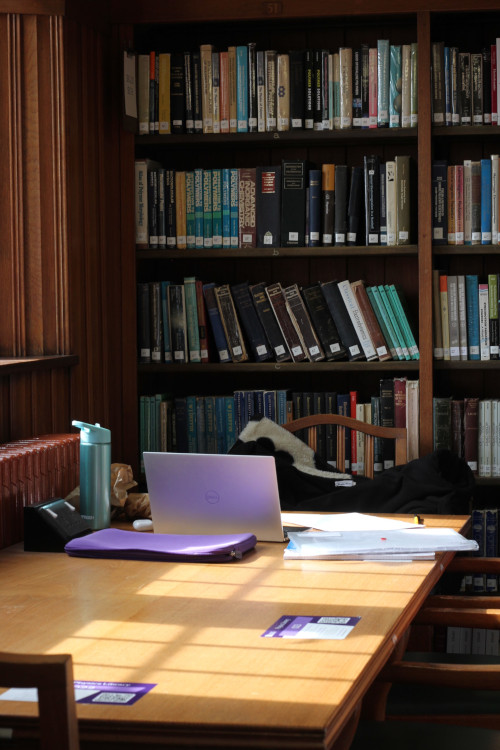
[(137, 545)]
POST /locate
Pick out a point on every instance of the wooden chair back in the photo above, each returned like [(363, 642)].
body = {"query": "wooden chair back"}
[(52, 675), (370, 431)]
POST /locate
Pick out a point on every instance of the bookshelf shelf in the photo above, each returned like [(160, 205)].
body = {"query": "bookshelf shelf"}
[(17, 365), (212, 368), (281, 139), (477, 250), (278, 252)]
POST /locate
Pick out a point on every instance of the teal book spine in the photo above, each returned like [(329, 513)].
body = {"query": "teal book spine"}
[(380, 306), (210, 425), (382, 83), (395, 85), (165, 313), (396, 297), (201, 430), (226, 208), (198, 208), (220, 424), (234, 206), (191, 411), (230, 422), (394, 321), (216, 208), (193, 331), (207, 209), (242, 89), (190, 212), (382, 322)]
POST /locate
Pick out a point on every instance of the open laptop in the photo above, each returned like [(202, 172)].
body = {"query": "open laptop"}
[(207, 493)]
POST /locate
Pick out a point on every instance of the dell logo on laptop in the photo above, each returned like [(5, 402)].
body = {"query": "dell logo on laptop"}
[(211, 496)]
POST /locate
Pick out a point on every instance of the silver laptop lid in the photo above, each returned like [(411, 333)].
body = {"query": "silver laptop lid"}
[(206, 493)]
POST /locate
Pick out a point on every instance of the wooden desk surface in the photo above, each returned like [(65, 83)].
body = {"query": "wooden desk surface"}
[(195, 630)]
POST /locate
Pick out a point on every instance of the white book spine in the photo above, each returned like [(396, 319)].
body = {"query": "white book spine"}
[(357, 319), (390, 198), (484, 322), (484, 438)]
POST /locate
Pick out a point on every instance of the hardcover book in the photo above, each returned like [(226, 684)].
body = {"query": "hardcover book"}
[(230, 323), (341, 195), (216, 322), (323, 322), (178, 323), (357, 319), (297, 88), (207, 101), (293, 202), (383, 83), (277, 299), (403, 200), (247, 207), (342, 320), (372, 199), (327, 204), (355, 209), (372, 324), (439, 189), (268, 205), (302, 322), (193, 331), (250, 321), (177, 93), (269, 323), (313, 222)]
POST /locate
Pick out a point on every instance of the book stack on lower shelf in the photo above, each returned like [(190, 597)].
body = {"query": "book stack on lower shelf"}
[(195, 322), (294, 204), (471, 428), (479, 641), (211, 423)]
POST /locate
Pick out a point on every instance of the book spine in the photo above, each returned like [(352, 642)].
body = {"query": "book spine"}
[(406, 71), (314, 192), (230, 323), (436, 316), (202, 321), (261, 92), (373, 87), (188, 93), (180, 210), (495, 198), (170, 207), (193, 331), (394, 321), (372, 199), (165, 312), (250, 322), (355, 209), (341, 192), (177, 93), (365, 86), (233, 122), (224, 92), (462, 317), (293, 203), (384, 316), (400, 308), (283, 92), (300, 318), (143, 94), (143, 323), (476, 64), (297, 89), (445, 325), (234, 206), (216, 322), (395, 81), (386, 393), (216, 208), (464, 72), (226, 208), (493, 315), (190, 213), (403, 200), (198, 208), (270, 66), (345, 59), (207, 101), (208, 232), (268, 204), (441, 420), (327, 204), (247, 207), (391, 206), (438, 91), (252, 88), (371, 322), (383, 205), (178, 325), (484, 325), (472, 301), (197, 92), (269, 323), (471, 427), (452, 286), (323, 322), (164, 94), (242, 89), (467, 201), (414, 84), (357, 320), (276, 298), (383, 83), (485, 201)]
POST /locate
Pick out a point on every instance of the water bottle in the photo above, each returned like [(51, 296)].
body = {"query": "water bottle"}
[(95, 474)]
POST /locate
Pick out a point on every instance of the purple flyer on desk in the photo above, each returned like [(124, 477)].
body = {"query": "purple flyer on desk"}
[(302, 626), (118, 693)]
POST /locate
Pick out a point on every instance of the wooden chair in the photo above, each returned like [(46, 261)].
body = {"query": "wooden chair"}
[(311, 423), (53, 676)]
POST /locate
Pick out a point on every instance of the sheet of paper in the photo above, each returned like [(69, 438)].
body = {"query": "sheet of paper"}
[(122, 693), (301, 626), (344, 521)]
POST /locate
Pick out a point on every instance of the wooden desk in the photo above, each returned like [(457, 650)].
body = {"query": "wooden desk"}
[(195, 630)]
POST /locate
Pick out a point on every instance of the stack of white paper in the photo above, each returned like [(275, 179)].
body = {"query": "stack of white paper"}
[(392, 544)]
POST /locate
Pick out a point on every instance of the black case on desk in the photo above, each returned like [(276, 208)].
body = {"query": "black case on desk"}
[(48, 526)]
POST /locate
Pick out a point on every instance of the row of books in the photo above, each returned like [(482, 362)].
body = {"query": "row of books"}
[(294, 204), (471, 428), (466, 202), (321, 321), (212, 423), (244, 89), (462, 640), (464, 85), (32, 471), (466, 316)]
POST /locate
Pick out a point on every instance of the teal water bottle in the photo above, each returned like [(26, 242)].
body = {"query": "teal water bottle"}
[(95, 474)]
